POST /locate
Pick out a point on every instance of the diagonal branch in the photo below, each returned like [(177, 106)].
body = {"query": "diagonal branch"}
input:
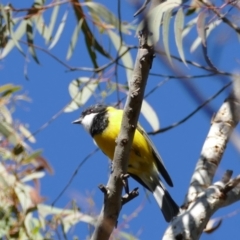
[(107, 219), (222, 126), (204, 198)]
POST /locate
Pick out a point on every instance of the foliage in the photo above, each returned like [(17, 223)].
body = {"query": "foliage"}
[(23, 214), (109, 31), (40, 28)]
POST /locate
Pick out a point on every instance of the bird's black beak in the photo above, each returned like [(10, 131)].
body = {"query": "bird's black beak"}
[(78, 121)]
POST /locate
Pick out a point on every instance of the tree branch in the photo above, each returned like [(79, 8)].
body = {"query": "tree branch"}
[(203, 199), (112, 199)]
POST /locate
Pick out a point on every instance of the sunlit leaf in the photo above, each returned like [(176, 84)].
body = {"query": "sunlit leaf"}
[(27, 134), (165, 32), (23, 193), (201, 27), (31, 157), (178, 28), (59, 30), (90, 41), (53, 20), (30, 37), (155, 18), (41, 27), (124, 51), (149, 113), (102, 12), (8, 132), (11, 43), (5, 114), (80, 89), (74, 39), (32, 176), (209, 29), (72, 219), (32, 226), (9, 89)]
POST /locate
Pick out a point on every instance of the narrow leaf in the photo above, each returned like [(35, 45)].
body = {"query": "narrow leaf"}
[(80, 89), (165, 30), (11, 43), (122, 50), (74, 39), (30, 37), (201, 27), (155, 18), (59, 30), (91, 42), (149, 113), (178, 28), (154, 23), (32, 176), (9, 89), (209, 29), (41, 27), (53, 20), (102, 12)]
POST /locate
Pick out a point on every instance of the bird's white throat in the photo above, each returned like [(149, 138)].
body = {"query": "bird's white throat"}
[(88, 120)]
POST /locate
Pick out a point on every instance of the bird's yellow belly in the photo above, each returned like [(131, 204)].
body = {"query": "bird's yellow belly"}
[(140, 159)]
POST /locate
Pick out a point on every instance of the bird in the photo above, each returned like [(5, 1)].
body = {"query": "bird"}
[(103, 123)]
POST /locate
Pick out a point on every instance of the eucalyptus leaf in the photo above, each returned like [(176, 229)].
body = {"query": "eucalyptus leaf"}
[(80, 90), (178, 28), (165, 32), (59, 30), (124, 51), (150, 115), (74, 39)]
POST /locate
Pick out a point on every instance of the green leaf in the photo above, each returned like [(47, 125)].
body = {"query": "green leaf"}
[(155, 18), (5, 114), (74, 39), (124, 51), (75, 217), (8, 132), (59, 30), (150, 115), (91, 42), (33, 176), (209, 29), (9, 89), (31, 157), (53, 20), (80, 89), (201, 27), (32, 227), (11, 43), (26, 133), (154, 23), (23, 193), (165, 31), (41, 27), (30, 37), (102, 12), (178, 28)]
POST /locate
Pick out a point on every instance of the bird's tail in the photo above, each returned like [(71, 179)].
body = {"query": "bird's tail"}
[(166, 203)]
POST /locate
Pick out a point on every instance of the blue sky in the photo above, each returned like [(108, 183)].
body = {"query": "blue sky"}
[(65, 145)]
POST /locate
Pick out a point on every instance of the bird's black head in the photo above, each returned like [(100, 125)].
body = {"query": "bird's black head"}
[(97, 108), (94, 119)]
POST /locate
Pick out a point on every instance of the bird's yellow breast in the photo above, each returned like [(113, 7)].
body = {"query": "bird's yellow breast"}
[(141, 157)]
